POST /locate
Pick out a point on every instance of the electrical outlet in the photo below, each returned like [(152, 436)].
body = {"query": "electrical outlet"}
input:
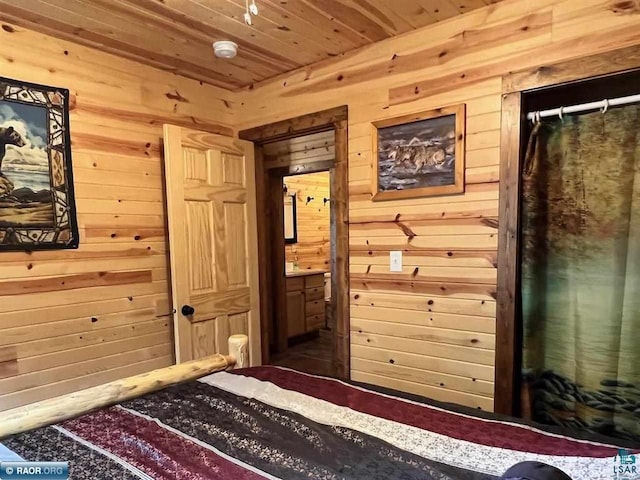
[(395, 261)]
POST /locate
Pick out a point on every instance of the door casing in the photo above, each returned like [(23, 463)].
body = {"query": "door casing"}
[(269, 214)]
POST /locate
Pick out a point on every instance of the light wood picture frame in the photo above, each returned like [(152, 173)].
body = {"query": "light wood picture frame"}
[(419, 155)]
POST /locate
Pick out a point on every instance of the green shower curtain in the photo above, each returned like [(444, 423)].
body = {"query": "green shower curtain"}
[(580, 278)]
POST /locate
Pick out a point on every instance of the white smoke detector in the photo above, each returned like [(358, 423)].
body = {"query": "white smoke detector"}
[(225, 49)]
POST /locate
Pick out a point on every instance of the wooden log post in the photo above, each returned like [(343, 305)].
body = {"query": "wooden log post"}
[(58, 409), (239, 350)]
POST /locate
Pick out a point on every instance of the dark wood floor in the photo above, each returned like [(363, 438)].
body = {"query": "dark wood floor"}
[(313, 356)]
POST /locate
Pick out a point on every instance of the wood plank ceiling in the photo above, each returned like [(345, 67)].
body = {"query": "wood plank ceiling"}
[(176, 35)]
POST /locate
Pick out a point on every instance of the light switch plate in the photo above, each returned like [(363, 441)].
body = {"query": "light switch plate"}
[(395, 261)]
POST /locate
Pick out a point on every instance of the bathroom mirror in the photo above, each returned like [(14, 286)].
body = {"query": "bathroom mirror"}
[(290, 223)]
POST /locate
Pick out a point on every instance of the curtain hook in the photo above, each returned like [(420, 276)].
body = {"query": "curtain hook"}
[(606, 106), (560, 114), (538, 117)]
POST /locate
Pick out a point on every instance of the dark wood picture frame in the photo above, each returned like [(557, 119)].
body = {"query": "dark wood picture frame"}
[(38, 215), (420, 156), (294, 221)]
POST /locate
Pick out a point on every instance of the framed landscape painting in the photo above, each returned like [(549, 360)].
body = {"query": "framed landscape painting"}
[(419, 155), (37, 207)]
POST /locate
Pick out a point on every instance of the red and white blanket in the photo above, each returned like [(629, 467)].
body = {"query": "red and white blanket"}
[(269, 422)]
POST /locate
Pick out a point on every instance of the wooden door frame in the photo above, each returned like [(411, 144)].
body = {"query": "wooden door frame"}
[(514, 86), (335, 119)]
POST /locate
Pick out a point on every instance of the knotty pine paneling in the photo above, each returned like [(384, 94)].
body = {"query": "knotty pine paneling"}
[(177, 35), (72, 319), (450, 243), (312, 250)]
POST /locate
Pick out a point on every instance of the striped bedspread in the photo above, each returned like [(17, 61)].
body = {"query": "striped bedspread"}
[(269, 422)]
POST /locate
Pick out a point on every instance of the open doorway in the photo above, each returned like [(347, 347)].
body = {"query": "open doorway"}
[(301, 178), (307, 247)]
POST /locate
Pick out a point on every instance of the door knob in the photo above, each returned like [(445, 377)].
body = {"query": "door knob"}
[(188, 310)]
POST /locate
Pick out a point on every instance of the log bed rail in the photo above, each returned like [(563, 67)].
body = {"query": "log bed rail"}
[(58, 409)]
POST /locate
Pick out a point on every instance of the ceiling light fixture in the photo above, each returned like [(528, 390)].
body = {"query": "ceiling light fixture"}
[(250, 9), (225, 49)]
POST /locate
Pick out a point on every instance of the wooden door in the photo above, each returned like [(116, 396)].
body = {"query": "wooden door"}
[(212, 241)]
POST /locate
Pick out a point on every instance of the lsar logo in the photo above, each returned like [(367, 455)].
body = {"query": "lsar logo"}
[(625, 467)]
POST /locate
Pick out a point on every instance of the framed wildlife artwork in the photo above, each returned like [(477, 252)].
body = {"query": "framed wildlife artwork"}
[(419, 155), (37, 207)]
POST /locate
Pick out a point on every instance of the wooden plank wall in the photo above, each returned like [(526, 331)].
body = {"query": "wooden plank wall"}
[(430, 329), (312, 250), (77, 318)]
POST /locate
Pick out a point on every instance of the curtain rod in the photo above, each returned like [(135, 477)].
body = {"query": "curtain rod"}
[(602, 104)]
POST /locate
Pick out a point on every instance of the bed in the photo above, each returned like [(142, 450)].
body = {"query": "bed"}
[(272, 422)]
